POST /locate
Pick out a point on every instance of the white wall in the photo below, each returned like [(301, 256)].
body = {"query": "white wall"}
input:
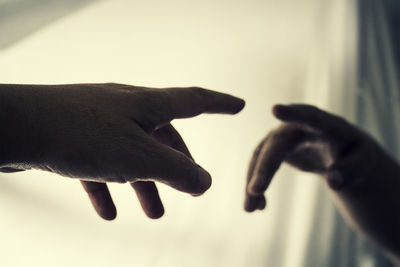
[(264, 51)]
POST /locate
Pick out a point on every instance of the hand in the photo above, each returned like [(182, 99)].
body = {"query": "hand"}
[(314, 141), (146, 192), (109, 133), (364, 179)]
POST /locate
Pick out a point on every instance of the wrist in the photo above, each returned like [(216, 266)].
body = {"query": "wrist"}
[(19, 135), (371, 206)]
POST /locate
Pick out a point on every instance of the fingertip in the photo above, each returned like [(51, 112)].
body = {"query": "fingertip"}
[(156, 214), (253, 203), (107, 213), (153, 207), (204, 181), (278, 111), (262, 203), (249, 207), (240, 104), (103, 205), (230, 105), (101, 200), (109, 217)]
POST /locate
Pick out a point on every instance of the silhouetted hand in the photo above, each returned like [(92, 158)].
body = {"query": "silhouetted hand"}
[(314, 141), (146, 191), (363, 178), (102, 133)]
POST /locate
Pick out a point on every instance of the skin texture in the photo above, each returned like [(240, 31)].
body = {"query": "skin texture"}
[(363, 178), (101, 133)]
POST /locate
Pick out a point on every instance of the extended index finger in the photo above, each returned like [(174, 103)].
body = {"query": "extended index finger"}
[(330, 125), (193, 101)]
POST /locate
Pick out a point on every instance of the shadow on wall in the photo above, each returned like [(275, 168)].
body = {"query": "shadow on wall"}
[(20, 18)]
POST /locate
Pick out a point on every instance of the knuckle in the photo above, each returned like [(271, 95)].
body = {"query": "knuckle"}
[(131, 180), (196, 88), (121, 180), (313, 109)]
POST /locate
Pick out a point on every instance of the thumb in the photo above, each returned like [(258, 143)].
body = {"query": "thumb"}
[(345, 173), (166, 165)]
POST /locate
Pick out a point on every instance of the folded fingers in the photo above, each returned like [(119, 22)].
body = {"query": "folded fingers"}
[(100, 198), (146, 191)]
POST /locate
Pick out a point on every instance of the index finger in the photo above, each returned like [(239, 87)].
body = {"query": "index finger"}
[(330, 125), (189, 102)]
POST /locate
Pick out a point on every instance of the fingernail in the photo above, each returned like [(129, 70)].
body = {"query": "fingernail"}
[(204, 179), (335, 180)]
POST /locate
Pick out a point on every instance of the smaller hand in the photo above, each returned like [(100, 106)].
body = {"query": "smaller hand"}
[(363, 178), (314, 141)]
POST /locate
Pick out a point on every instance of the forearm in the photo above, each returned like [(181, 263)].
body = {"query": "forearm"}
[(373, 206)]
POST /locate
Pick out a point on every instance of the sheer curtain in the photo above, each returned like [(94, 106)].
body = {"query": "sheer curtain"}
[(367, 94), (265, 51)]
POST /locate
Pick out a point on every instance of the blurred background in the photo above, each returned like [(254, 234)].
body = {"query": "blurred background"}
[(268, 52)]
